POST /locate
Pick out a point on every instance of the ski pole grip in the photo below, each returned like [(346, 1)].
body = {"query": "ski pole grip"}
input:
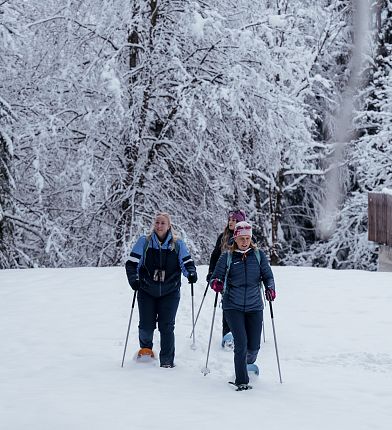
[(192, 289)]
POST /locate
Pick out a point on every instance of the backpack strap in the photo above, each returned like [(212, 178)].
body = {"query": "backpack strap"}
[(177, 247), (148, 238), (228, 264), (258, 256)]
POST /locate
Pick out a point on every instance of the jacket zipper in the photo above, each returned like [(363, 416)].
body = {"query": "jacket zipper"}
[(246, 280), (160, 268)]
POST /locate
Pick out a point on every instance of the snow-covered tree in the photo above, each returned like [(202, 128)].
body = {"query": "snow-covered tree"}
[(368, 155), (115, 109), (271, 76), (9, 44)]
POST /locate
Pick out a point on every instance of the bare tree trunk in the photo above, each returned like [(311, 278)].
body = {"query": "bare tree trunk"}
[(275, 200), (7, 246)]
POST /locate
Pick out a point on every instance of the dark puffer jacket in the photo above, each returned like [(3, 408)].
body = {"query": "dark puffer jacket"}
[(243, 284)]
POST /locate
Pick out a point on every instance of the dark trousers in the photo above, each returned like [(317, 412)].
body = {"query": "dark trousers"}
[(225, 326), (162, 310), (246, 329)]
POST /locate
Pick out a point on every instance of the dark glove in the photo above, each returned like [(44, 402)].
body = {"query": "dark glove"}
[(135, 285), (192, 277), (208, 277), (217, 285), (270, 294)]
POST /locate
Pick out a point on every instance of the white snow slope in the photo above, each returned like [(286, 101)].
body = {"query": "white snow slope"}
[(62, 334)]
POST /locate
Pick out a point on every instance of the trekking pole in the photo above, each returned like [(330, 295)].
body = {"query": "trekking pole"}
[(276, 345), (193, 346), (262, 323), (198, 312), (206, 370), (129, 326)]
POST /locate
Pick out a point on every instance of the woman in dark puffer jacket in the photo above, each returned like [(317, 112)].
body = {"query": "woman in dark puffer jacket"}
[(242, 297), (224, 242)]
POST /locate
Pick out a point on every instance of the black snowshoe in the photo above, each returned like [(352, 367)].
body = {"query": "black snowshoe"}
[(241, 387)]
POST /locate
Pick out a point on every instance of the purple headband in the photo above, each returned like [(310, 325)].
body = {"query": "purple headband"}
[(238, 215)]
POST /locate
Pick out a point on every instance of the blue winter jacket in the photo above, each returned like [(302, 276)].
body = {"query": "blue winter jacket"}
[(243, 283), (165, 257)]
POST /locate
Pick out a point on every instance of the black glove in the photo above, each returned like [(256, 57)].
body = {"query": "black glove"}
[(192, 278), (208, 277), (135, 285)]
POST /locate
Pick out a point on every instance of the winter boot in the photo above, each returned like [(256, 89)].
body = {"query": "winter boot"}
[(253, 368), (228, 342)]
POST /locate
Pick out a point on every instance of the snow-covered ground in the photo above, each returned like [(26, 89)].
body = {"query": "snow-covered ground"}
[(62, 335)]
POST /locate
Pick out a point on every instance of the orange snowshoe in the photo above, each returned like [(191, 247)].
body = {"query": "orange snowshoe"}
[(145, 354)]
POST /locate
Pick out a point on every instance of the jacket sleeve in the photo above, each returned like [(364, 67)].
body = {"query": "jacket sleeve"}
[(185, 260), (266, 273), (135, 260), (215, 254), (220, 268)]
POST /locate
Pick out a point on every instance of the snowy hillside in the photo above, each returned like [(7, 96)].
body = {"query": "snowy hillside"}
[(62, 335)]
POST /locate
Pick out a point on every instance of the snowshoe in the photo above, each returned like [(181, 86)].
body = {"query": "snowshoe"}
[(241, 387), (145, 355), (168, 366), (253, 368), (228, 342)]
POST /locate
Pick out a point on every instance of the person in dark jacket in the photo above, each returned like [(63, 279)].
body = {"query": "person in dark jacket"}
[(224, 242), (242, 302), (154, 270)]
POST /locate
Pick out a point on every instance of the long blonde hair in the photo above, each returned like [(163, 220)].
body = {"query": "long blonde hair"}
[(173, 232), (225, 239)]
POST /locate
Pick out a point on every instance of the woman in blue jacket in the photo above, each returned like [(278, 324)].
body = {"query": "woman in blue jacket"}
[(154, 270), (240, 281)]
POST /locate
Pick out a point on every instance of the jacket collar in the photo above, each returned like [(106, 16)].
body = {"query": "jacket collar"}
[(243, 252), (166, 242)]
